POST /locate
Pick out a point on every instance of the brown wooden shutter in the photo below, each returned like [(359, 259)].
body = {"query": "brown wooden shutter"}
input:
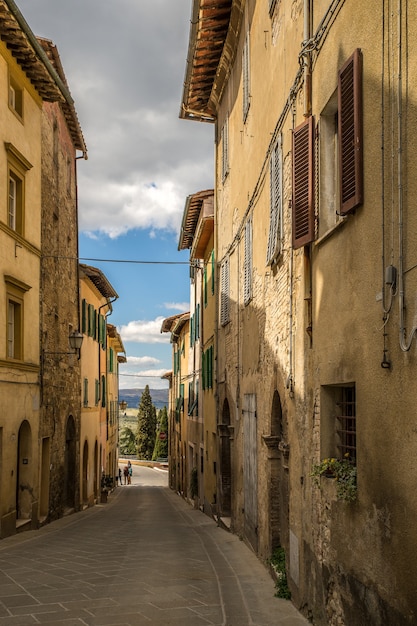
[(350, 133), (303, 184)]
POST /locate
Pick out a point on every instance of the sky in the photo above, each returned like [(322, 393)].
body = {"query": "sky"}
[(125, 63)]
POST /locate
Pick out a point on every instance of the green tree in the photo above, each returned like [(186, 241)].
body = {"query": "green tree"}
[(146, 432), (127, 441), (161, 444)]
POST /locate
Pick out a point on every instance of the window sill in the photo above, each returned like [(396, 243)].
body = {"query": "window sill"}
[(330, 232)]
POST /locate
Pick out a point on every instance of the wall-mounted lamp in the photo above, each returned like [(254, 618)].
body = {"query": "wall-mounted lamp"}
[(76, 340)]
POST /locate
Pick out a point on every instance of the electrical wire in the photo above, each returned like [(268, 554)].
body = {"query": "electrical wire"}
[(134, 261)]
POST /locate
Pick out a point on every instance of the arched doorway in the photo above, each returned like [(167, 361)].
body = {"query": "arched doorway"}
[(225, 462), (278, 477), (25, 472), (85, 474), (70, 467)]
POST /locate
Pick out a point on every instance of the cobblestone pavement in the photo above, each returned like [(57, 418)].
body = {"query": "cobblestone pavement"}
[(143, 558)]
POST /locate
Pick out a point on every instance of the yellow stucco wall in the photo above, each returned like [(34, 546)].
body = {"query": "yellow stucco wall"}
[(20, 269)]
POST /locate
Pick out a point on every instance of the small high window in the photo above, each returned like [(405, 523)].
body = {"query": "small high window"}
[(15, 97)]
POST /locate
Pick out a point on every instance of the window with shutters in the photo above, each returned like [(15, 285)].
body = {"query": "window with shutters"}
[(225, 292), (207, 368), (246, 77), (329, 193), (275, 220), (247, 264), (303, 184), (15, 292), (17, 167), (96, 392), (350, 133), (225, 148)]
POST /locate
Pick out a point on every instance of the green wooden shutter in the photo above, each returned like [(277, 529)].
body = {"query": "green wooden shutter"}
[(85, 394), (84, 326)]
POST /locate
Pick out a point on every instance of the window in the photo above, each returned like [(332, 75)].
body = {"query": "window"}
[(338, 419), (329, 205), (193, 398), (346, 423), (246, 77), (225, 292), (247, 263), (15, 290), (225, 149), (14, 327), (303, 184), (17, 166), (275, 220), (15, 97), (350, 133)]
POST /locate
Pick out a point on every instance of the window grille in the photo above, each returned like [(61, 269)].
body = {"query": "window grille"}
[(346, 423)]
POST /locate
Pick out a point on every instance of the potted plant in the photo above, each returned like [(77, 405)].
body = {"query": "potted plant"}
[(344, 473)]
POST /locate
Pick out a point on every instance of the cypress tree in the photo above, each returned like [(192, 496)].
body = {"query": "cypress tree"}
[(161, 444), (146, 432), (127, 441)]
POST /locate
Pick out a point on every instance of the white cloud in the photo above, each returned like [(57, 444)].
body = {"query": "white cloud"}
[(183, 307), (142, 361), (144, 331)]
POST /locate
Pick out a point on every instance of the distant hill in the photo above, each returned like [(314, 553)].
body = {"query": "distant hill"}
[(133, 396)]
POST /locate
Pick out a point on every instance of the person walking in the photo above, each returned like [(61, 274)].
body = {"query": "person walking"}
[(120, 476), (130, 473), (125, 474)]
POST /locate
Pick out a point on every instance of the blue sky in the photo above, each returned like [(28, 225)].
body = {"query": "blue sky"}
[(125, 63)]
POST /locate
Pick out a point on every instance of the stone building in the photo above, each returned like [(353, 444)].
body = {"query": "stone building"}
[(60, 373), (28, 81), (313, 106)]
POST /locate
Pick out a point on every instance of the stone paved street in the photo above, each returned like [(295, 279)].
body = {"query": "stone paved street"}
[(143, 558)]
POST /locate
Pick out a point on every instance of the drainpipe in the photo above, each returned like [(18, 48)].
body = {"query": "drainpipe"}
[(307, 60), (405, 345)]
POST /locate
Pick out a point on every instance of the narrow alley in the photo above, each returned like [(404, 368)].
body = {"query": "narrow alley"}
[(144, 557)]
